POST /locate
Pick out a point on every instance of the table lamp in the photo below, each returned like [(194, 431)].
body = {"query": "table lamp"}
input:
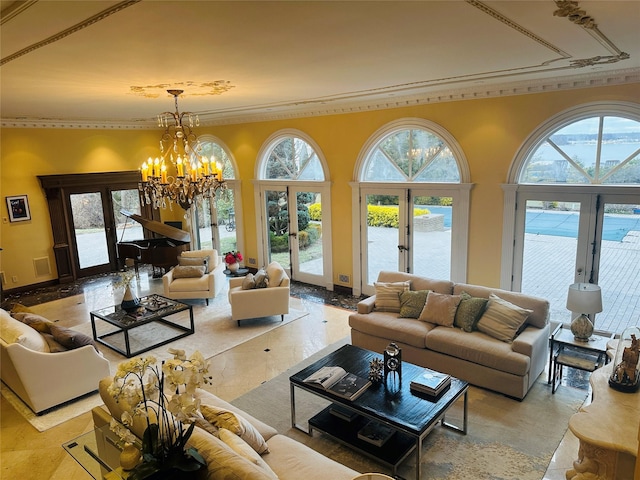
[(585, 299)]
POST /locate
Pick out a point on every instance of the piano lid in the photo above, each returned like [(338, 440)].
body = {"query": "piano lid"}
[(159, 228)]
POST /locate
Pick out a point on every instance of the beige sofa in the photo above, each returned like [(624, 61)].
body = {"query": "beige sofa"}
[(288, 459), (40, 378), (507, 367)]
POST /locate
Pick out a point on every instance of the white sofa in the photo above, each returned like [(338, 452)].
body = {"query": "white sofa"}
[(288, 459), (260, 302), (203, 286), (40, 378)]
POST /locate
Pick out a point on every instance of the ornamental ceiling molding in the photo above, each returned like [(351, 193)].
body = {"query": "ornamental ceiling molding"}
[(294, 110)]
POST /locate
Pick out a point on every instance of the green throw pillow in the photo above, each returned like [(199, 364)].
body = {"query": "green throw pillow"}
[(469, 312), (412, 303)]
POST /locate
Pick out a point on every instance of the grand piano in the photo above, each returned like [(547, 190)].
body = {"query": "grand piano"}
[(160, 252)]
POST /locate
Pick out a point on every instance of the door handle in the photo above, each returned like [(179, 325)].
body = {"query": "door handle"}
[(402, 248), (293, 234)]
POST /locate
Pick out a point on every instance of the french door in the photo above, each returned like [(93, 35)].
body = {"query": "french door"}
[(565, 237), (296, 231), (97, 225), (408, 230)]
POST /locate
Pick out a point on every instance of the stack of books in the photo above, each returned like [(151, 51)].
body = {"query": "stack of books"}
[(375, 433), (430, 383)]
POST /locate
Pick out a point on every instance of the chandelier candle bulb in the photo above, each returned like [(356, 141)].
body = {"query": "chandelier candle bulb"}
[(180, 167), (163, 173)]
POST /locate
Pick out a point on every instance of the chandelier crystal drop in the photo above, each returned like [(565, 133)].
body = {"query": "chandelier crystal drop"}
[(196, 177)]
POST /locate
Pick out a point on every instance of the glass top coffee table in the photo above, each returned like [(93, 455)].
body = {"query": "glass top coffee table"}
[(412, 416), (131, 334)]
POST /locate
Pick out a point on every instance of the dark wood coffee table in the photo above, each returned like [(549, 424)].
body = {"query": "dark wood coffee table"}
[(156, 310), (393, 404)]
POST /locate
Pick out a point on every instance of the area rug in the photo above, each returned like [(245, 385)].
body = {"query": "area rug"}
[(215, 333), (507, 439)]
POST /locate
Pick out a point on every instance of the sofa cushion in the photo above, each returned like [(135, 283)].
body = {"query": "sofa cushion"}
[(275, 274), (249, 282), (35, 321), (236, 423), (243, 449), (191, 261), (261, 278), (417, 282), (410, 331), (19, 308), (502, 319), (14, 331), (194, 284), (71, 339), (412, 303), (188, 271), (440, 309), (222, 461), (388, 295), (469, 312), (478, 348)]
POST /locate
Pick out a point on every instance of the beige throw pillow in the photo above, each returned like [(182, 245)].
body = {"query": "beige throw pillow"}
[(194, 261), (502, 319), (243, 449), (440, 309), (190, 271), (388, 295), (223, 418)]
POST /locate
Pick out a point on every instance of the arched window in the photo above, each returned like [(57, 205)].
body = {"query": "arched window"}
[(410, 198), (571, 211), (411, 155), (292, 158), (601, 149)]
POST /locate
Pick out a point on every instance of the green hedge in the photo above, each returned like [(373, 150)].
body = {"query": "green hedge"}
[(306, 238), (384, 216)]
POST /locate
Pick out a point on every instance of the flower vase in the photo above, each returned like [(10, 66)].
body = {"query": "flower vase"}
[(233, 267), (130, 301), (129, 457)]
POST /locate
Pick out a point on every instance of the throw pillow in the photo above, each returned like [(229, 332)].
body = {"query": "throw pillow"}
[(223, 418), (243, 449), (261, 278), (14, 331), (222, 462), (70, 338), (502, 319), (191, 271), (440, 309), (19, 308), (54, 347), (37, 322), (249, 282), (276, 274), (388, 295), (469, 312), (412, 303), (194, 261)]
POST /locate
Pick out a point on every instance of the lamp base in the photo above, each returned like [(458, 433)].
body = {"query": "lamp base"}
[(582, 328)]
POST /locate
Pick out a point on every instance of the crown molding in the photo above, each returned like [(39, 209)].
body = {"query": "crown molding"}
[(341, 105)]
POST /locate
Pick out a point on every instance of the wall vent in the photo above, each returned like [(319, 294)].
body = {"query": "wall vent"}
[(42, 266)]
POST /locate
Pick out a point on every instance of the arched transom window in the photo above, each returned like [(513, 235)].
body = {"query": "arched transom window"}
[(412, 155), (293, 159), (596, 150)]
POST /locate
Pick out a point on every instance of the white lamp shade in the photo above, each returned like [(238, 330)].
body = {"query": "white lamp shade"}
[(584, 298)]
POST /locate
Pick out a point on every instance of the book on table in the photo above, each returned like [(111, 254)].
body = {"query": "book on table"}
[(431, 382), (375, 433), (339, 382), (343, 413)]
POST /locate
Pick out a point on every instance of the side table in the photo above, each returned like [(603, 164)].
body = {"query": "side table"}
[(565, 351), (241, 272)]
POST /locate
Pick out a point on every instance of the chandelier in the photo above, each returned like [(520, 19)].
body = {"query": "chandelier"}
[(197, 176)]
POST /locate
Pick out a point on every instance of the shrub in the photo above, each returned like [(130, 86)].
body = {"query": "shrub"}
[(315, 212), (383, 216), (278, 243)]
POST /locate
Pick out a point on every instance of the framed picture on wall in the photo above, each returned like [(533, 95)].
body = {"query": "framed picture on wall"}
[(18, 207)]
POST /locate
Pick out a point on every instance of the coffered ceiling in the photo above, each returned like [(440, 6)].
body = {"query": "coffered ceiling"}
[(109, 63)]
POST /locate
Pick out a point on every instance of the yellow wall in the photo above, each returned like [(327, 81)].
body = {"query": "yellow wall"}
[(490, 132)]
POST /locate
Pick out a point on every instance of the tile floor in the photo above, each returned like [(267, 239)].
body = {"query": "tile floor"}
[(29, 454)]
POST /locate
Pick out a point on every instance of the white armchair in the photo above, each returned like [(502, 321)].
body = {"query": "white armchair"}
[(261, 302), (205, 286)]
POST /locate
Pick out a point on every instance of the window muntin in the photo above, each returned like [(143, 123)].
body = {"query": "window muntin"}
[(293, 159), (412, 155), (596, 150)]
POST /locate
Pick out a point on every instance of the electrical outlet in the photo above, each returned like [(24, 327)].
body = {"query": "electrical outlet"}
[(343, 278), (252, 261), (14, 279)]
